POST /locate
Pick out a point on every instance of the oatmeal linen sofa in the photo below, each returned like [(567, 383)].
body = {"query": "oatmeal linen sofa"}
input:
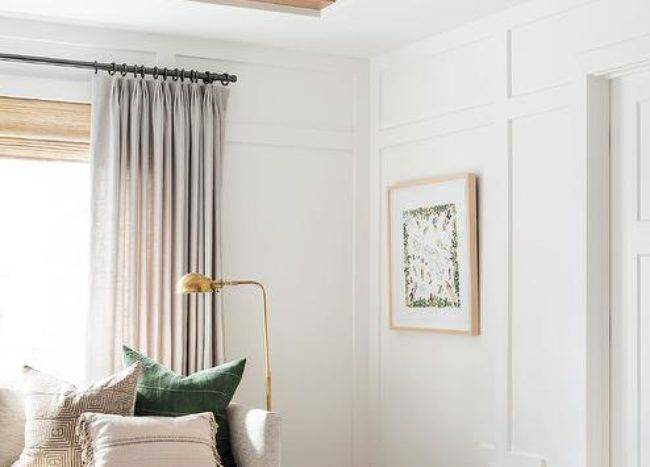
[(254, 433)]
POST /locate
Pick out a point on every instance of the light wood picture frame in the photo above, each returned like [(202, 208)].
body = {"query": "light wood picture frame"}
[(433, 255)]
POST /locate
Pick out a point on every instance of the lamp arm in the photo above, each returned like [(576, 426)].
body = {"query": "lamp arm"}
[(265, 322)]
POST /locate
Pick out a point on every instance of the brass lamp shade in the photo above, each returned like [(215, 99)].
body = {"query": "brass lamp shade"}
[(195, 283)]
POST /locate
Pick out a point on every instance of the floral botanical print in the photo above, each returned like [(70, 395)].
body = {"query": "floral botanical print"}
[(431, 257)]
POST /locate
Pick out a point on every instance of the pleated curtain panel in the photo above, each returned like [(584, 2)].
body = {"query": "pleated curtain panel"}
[(157, 169)]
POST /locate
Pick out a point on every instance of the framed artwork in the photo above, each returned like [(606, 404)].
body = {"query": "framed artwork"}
[(433, 256)]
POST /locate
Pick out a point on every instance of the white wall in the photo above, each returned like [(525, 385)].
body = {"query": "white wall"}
[(304, 194), (496, 97), (295, 188)]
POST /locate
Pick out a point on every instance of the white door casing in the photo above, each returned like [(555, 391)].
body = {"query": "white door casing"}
[(630, 270)]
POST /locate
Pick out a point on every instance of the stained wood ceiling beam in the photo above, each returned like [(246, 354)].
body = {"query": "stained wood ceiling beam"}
[(308, 4), (315, 6)]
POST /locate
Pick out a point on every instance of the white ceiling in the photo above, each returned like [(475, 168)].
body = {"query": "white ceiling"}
[(350, 27)]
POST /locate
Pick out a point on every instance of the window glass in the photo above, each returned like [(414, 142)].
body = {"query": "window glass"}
[(44, 256)]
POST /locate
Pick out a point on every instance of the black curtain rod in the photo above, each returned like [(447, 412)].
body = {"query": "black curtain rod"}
[(124, 69)]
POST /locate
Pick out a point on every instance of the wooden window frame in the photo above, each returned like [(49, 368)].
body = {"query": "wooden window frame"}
[(44, 129)]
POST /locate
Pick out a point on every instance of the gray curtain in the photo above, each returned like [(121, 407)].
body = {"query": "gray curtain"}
[(156, 159)]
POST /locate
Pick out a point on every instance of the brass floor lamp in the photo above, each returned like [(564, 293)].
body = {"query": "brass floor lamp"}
[(198, 283)]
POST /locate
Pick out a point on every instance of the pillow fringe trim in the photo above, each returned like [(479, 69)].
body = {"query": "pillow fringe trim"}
[(85, 440), (214, 427)]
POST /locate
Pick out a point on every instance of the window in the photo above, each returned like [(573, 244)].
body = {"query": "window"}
[(44, 236)]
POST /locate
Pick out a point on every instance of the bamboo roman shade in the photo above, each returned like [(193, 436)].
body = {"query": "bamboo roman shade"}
[(42, 129)]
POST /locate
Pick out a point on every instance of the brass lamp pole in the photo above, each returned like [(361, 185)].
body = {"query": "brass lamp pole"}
[(198, 283)]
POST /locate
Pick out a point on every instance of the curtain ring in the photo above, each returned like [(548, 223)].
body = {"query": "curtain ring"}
[(225, 79), (142, 72), (123, 72), (196, 77), (182, 75), (165, 71), (155, 72), (207, 78), (175, 74), (135, 71), (112, 70), (95, 65)]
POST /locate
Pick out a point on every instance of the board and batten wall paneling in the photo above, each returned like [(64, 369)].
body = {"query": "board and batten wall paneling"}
[(294, 144), (643, 119), (280, 97), (532, 181), (545, 233), (296, 240), (542, 50), (545, 45), (641, 307), (436, 83), (424, 377)]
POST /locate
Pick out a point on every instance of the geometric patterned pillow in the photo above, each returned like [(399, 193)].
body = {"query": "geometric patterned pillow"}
[(52, 408)]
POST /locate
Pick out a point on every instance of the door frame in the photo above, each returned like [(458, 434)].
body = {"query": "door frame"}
[(592, 76)]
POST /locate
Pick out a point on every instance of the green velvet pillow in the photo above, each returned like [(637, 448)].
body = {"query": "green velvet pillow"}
[(161, 392)]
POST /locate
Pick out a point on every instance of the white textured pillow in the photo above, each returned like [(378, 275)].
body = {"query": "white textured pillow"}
[(12, 425), (115, 441)]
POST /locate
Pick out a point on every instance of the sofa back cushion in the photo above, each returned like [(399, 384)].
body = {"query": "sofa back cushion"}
[(12, 425)]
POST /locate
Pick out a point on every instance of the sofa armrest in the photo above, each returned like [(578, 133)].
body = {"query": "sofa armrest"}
[(254, 436)]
